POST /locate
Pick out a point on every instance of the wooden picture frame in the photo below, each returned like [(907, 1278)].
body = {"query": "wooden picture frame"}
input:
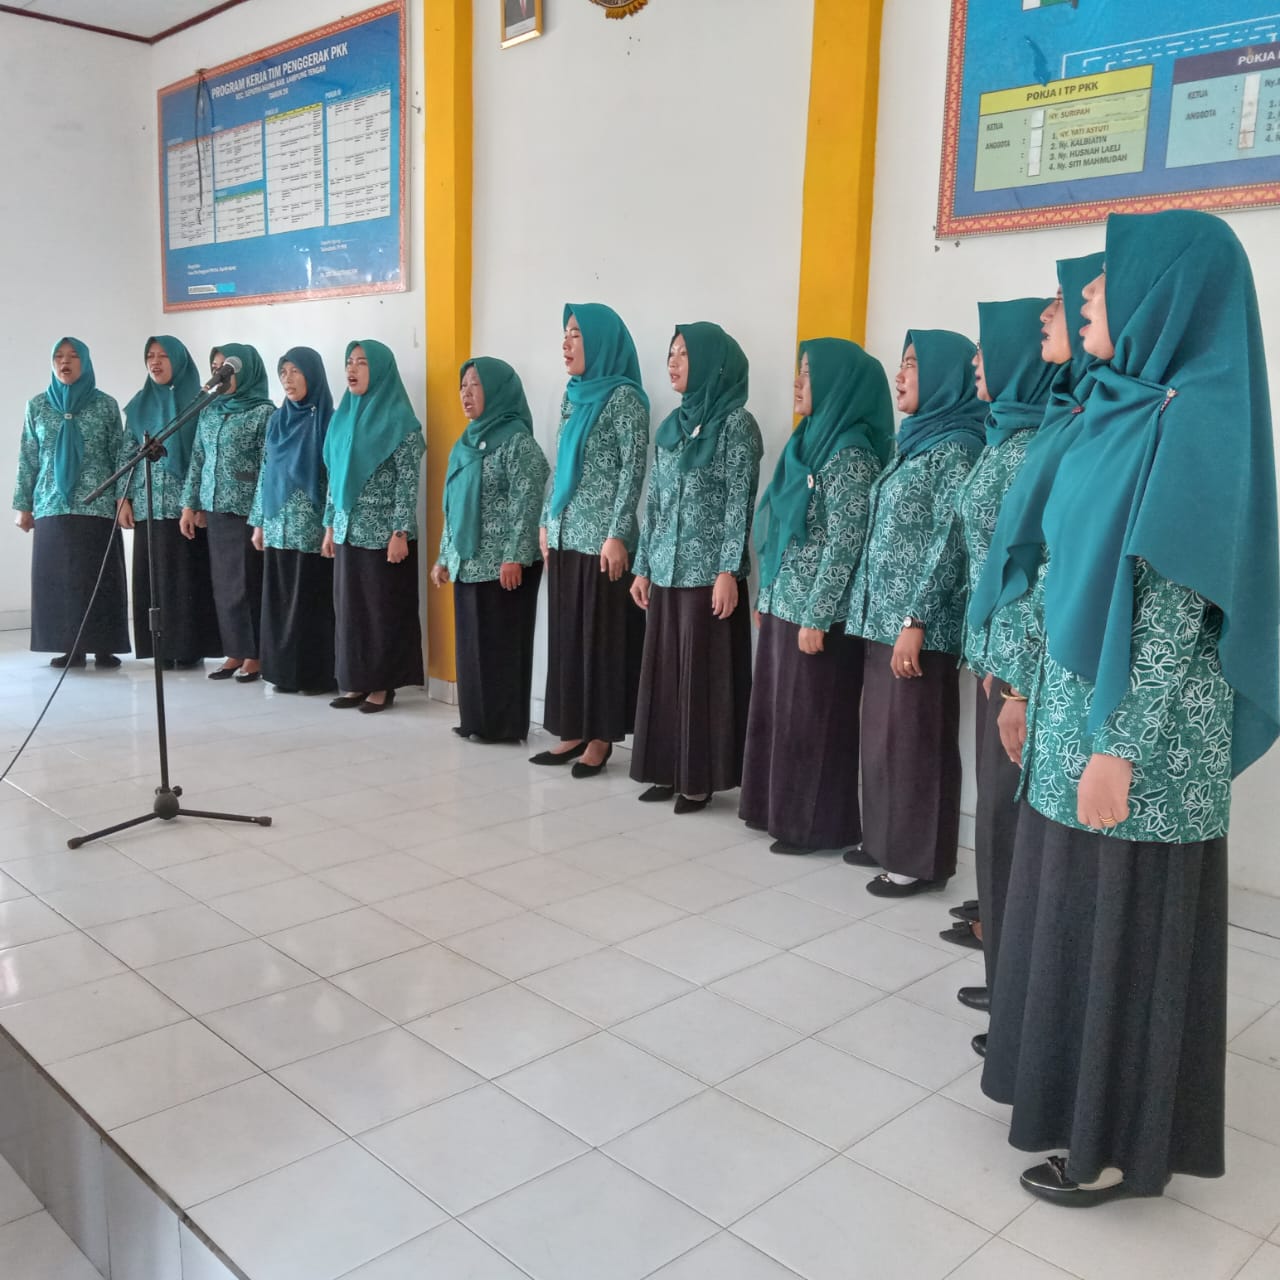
[(519, 20)]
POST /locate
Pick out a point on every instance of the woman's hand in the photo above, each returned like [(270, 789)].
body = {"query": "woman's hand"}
[(187, 523), (987, 682), (755, 617), (397, 548), (542, 541), (439, 575), (326, 544), (202, 519), (1102, 800), (257, 539), (511, 575), (24, 521), (613, 558), (640, 591), (811, 640), (905, 663), (1012, 723), (724, 595), (124, 513)]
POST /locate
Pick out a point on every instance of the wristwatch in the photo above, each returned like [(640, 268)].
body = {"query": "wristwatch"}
[(910, 623), (401, 533)]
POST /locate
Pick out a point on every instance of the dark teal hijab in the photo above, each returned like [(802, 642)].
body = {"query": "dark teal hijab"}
[(252, 387), (717, 386), (68, 447), (949, 405), (1172, 462), (155, 406), (367, 429), (506, 413), (611, 362), (294, 454), (1018, 379), (852, 409), (1018, 543)]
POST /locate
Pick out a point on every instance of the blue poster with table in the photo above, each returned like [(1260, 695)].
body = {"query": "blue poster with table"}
[(282, 174), (1062, 111)]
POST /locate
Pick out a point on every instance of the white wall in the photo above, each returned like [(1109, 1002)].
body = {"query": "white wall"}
[(918, 281)]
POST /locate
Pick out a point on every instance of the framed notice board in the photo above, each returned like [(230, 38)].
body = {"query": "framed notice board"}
[(282, 174), (1061, 111)]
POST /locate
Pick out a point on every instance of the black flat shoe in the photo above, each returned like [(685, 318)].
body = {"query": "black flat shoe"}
[(755, 826), (222, 673), (67, 660), (346, 700), (559, 757), (372, 708), (858, 857), (187, 664), (581, 770), (793, 850), (685, 805), (962, 934), (965, 911), (106, 661), (975, 998), (1049, 1181), (462, 733), (979, 1044), (282, 688), (656, 793), (883, 887), (247, 677)]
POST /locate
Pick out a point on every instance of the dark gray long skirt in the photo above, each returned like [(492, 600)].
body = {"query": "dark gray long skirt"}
[(378, 633), (236, 566), (695, 691), (800, 778), (297, 620), (911, 764), (66, 556), (1108, 1027), (185, 589)]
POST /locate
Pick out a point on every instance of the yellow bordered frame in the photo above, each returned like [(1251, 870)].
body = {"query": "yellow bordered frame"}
[(515, 28)]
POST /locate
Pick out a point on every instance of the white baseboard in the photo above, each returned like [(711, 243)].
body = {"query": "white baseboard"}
[(442, 691), (15, 619)]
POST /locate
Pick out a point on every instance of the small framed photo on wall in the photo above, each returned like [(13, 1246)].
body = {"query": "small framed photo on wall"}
[(521, 20)]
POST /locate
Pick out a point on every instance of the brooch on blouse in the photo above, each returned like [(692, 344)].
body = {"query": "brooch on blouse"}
[(696, 432), (811, 482)]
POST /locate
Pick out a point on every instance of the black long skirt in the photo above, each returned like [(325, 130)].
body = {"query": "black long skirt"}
[(236, 567), (595, 645), (493, 631), (800, 779), (995, 824), (66, 555), (297, 620), (185, 589), (911, 764), (1108, 1023), (695, 692), (375, 605)]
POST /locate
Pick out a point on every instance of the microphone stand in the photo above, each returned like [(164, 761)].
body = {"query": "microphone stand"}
[(167, 804)]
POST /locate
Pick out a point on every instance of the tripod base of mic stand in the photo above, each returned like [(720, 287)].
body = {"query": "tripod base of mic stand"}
[(167, 806)]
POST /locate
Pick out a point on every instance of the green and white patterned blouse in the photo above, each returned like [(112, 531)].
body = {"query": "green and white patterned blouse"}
[(297, 526), (166, 488), (697, 523), (914, 561), (811, 588), (225, 460), (1015, 638), (613, 462), (1174, 724), (34, 489), (513, 482), (387, 504)]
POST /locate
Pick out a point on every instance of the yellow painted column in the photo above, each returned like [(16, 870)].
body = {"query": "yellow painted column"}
[(446, 264), (840, 163)]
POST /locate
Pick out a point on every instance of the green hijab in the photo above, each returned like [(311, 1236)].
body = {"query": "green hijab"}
[(1018, 379), (611, 362), (1173, 462), (949, 405), (506, 413), (252, 387), (852, 409), (367, 429), (717, 387), (155, 406), (68, 446)]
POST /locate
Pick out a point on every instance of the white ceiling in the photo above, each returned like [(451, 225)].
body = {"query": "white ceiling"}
[(144, 18)]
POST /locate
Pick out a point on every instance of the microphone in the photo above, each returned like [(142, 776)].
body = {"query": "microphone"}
[(222, 375)]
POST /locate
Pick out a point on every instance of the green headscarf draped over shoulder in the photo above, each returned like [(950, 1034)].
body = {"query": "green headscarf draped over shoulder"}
[(1173, 462), (718, 374), (155, 406), (1018, 378), (367, 429), (68, 447), (949, 405), (852, 409), (506, 413), (252, 387), (611, 362)]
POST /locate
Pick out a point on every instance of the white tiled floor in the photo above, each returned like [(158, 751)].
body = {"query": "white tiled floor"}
[(455, 1015)]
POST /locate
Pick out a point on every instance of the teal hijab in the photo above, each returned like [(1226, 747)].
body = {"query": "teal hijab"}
[(611, 362), (718, 372), (1018, 379), (292, 461), (367, 429), (852, 408), (252, 387), (68, 447), (506, 413), (1017, 545), (155, 406), (1172, 462), (949, 405)]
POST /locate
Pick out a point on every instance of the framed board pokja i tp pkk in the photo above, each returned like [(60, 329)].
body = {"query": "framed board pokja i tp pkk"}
[(1062, 111), (282, 174)]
